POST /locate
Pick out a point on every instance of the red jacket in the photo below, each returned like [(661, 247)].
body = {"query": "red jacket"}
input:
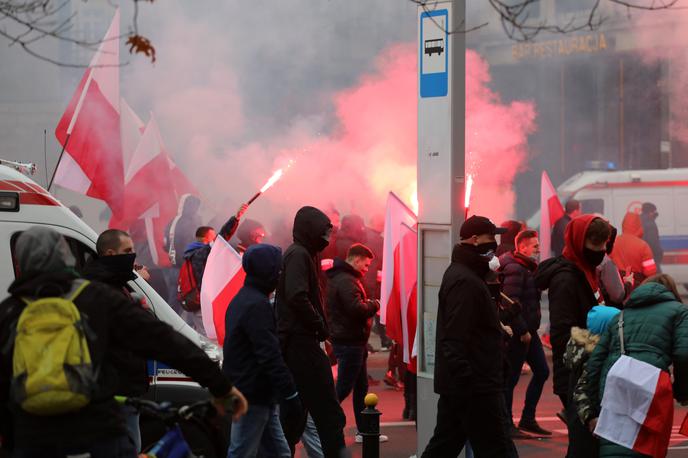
[(631, 252)]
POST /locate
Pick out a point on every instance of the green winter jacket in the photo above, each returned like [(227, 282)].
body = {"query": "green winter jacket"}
[(656, 332)]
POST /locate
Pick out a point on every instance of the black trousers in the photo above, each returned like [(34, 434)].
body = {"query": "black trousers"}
[(478, 419), (312, 374)]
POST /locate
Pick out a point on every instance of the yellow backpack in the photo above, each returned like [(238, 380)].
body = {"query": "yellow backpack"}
[(52, 372)]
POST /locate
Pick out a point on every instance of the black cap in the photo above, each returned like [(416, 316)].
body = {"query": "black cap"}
[(479, 225)]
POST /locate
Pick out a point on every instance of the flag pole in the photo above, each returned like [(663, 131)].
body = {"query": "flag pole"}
[(52, 178)]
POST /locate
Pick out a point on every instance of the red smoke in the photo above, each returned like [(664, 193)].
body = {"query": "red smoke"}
[(371, 151)]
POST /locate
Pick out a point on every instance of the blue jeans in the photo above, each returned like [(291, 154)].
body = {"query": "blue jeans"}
[(258, 430), (534, 355), (352, 375), (119, 447), (311, 440), (131, 420)]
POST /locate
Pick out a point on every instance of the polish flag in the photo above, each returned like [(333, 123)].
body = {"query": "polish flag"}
[(390, 301), (222, 279), (550, 212), (637, 407), (408, 286), (89, 129)]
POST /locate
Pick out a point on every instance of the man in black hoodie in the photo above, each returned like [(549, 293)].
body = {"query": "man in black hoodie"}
[(302, 327), (114, 266), (46, 269), (252, 359), (350, 316), (468, 353)]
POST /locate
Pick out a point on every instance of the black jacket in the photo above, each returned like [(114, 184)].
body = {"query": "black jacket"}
[(651, 236), (349, 312), (252, 356), (199, 254), (558, 232), (299, 301), (468, 345), (570, 300), (518, 283), (132, 370), (117, 324), (184, 226)]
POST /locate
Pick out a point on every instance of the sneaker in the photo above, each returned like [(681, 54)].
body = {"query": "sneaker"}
[(532, 426), (516, 433), (359, 438), (390, 379)]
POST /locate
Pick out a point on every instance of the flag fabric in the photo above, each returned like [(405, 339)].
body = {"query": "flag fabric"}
[(222, 279), (637, 407), (396, 214), (408, 269), (89, 129), (550, 212)]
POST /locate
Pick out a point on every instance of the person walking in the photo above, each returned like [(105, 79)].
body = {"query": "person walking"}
[(33, 425), (302, 327), (655, 331), (253, 360), (573, 289), (559, 230), (350, 317), (518, 271), (648, 216), (468, 353)]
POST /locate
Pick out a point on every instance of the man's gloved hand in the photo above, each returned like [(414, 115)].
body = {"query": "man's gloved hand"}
[(291, 409)]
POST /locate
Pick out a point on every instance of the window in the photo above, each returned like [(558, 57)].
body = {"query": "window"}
[(82, 254), (592, 206), (574, 6)]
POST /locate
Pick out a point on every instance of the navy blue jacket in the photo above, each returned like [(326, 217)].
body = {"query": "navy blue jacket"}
[(252, 352), (519, 284)]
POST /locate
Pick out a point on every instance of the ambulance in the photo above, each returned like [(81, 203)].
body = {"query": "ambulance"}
[(24, 204), (614, 193)]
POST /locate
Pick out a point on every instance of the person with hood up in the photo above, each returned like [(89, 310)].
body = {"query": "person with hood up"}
[(507, 241), (302, 327), (250, 232), (573, 288), (649, 215), (632, 254), (518, 271), (114, 266), (655, 331), (582, 444), (45, 268), (252, 359), (353, 230), (468, 353), (350, 316)]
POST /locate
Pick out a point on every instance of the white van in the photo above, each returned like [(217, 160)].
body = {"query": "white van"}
[(23, 204), (614, 193)]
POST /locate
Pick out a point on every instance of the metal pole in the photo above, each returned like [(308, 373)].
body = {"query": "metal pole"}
[(52, 178), (622, 153), (371, 427)]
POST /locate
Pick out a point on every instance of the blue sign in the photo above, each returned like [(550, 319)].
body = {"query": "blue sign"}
[(434, 53)]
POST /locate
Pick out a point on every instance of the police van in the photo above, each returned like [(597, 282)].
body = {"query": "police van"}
[(614, 193), (23, 204)]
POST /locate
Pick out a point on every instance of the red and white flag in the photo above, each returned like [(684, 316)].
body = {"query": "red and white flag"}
[(89, 129), (550, 212), (222, 279), (408, 286), (391, 290), (637, 407)]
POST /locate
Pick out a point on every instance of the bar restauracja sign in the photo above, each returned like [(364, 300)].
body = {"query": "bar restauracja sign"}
[(578, 44)]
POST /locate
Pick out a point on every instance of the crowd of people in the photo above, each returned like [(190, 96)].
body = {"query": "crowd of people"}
[(611, 310)]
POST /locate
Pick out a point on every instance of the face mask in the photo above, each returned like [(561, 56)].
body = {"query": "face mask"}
[(485, 248), (494, 264), (592, 257), (120, 262)]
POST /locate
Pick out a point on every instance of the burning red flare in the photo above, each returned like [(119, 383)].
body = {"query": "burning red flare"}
[(469, 188)]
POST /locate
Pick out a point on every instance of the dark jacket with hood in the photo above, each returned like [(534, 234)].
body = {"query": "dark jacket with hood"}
[(571, 296), (519, 284), (349, 312), (558, 235), (252, 356), (183, 227), (299, 301), (133, 373), (655, 332), (651, 236), (468, 343), (46, 264)]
